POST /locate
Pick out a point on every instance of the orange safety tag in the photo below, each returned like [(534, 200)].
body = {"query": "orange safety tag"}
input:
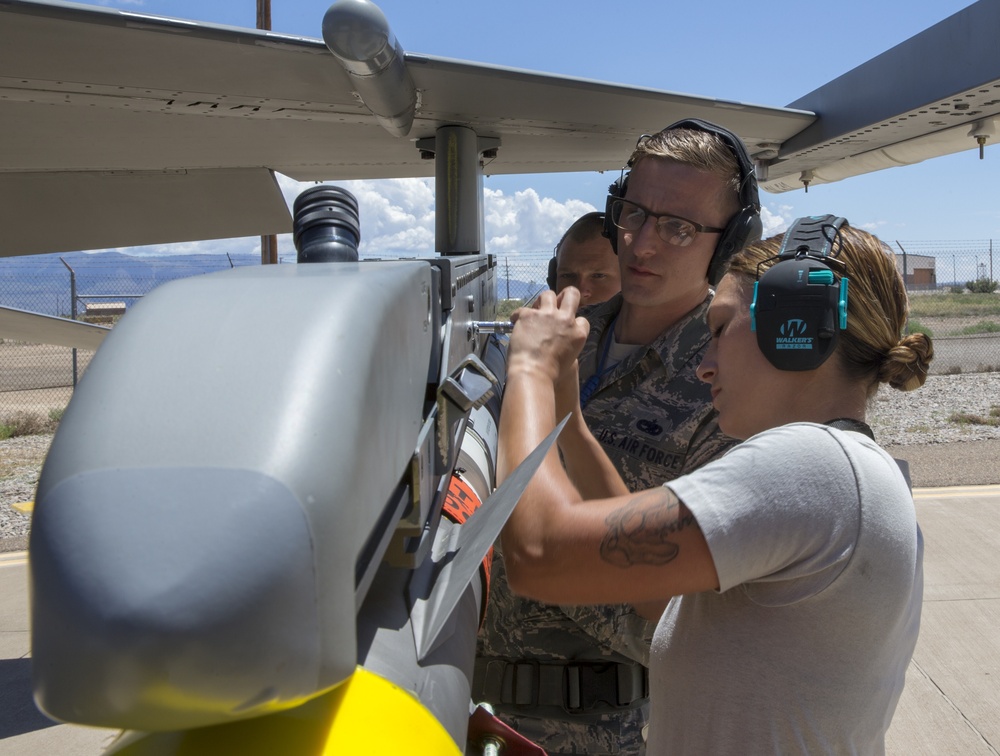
[(460, 503)]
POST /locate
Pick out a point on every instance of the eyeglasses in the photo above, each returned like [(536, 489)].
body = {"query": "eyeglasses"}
[(628, 216)]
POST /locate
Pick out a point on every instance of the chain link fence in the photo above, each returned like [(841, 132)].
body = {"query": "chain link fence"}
[(952, 285), (37, 380)]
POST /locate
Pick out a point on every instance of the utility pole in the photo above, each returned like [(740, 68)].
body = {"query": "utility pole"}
[(268, 244)]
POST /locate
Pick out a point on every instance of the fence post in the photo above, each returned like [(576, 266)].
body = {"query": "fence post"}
[(905, 282), (72, 308)]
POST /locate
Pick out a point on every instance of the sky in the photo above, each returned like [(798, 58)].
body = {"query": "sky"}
[(770, 52)]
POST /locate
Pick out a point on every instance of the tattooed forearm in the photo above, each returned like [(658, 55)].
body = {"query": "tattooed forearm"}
[(639, 532)]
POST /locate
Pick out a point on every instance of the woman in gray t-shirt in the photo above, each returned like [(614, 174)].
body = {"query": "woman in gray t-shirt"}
[(786, 575)]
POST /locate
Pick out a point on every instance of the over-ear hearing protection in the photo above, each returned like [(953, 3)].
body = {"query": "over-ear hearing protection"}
[(742, 229), (799, 305), (550, 278)]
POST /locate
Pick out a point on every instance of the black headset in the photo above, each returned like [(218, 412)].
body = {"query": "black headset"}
[(742, 229), (799, 304)]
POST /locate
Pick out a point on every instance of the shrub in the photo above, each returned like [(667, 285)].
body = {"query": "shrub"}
[(914, 326), (968, 418), (506, 306), (982, 286), (26, 424)]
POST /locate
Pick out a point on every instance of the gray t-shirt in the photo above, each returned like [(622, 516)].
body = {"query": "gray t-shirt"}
[(804, 648)]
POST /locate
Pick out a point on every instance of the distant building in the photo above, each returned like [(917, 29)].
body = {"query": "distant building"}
[(921, 271), (103, 312)]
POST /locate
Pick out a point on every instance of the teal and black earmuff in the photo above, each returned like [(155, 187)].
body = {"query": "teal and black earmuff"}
[(800, 303)]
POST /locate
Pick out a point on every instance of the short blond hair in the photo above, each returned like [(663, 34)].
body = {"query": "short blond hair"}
[(699, 149)]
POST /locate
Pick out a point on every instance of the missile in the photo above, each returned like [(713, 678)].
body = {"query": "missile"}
[(267, 514)]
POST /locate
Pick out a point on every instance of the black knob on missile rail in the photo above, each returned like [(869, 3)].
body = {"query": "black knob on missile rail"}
[(326, 227)]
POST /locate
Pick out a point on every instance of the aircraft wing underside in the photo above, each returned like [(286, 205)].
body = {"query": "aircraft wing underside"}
[(123, 129), (935, 94), (92, 99), (20, 325)]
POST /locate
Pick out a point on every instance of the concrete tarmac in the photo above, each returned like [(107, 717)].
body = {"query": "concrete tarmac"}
[(949, 705), (967, 463)]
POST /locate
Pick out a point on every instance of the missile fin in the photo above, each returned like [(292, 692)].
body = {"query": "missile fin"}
[(434, 595)]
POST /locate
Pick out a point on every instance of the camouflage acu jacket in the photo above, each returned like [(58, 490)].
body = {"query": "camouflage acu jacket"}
[(651, 413), (655, 420)]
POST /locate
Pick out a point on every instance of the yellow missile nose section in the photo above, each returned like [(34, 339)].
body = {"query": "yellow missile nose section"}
[(365, 714)]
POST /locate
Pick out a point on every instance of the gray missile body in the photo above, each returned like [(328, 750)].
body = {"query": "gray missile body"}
[(243, 500)]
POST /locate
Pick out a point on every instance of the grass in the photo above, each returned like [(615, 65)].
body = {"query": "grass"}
[(992, 418), (506, 306), (983, 326), (954, 305), (29, 423), (915, 326)]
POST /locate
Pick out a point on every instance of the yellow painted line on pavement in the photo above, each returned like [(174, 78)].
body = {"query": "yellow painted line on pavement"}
[(956, 492), (13, 558), (24, 507)]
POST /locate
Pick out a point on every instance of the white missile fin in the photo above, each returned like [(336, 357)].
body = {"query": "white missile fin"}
[(433, 604)]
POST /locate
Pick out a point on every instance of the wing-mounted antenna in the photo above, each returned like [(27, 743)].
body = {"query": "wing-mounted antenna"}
[(358, 35)]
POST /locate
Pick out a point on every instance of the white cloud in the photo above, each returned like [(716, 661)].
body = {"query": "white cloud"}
[(776, 221), (397, 216), (241, 246), (525, 222)]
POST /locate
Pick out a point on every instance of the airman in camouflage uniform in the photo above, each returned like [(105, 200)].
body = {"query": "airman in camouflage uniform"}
[(573, 679), (652, 415), (655, 422)]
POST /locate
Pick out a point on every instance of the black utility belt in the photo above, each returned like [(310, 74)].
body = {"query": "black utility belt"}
[(577, 687)]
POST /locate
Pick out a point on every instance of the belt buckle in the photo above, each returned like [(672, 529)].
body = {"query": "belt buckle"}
[(588, 684), (572, 688), (614, 684), (523, 684), (633, 683)]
